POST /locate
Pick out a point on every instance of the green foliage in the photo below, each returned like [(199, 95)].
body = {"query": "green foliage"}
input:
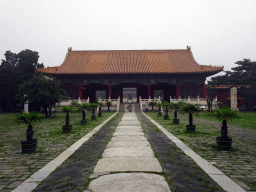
[(84, 106), (100, 104), (243, 74), (109, 103), (152, 103), (93, 105), (129, 106), (174, 106), (165, 104), (225, 113), (75, 104), (68, 109), (158, 104), (189, 108), (14, 71), (27, 118), (221, 105), (211, 94), (42, 90)]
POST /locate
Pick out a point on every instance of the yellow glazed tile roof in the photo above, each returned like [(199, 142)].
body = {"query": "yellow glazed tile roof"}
[(129, 61)]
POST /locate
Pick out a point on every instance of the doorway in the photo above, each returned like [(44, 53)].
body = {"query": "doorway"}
[(130, 95)]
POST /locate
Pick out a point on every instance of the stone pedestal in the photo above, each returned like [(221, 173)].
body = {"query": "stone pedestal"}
[(233, 98)]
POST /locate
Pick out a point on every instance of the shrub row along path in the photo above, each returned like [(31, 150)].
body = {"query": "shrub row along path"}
[(239, 163), (15, 166), (181, 173), (73, 174), (83, 167)]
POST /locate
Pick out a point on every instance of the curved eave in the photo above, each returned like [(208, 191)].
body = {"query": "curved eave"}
[(180, 73)]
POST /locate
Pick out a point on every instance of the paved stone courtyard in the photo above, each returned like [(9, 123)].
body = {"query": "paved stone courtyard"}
[(239, 165)]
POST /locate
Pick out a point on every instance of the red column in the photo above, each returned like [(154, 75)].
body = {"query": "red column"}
[(204, 91), (149, 91), (177, 90), (81, 89), (109, 90)]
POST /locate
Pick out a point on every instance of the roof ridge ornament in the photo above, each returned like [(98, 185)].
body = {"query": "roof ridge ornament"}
[(189, 48), (69, 49)]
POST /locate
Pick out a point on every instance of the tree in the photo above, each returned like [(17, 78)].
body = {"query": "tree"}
[(191, 109), (152, 104), (211, 94), (27, 62), (43, 91), (8, 79), (243, 74), (14, 71)]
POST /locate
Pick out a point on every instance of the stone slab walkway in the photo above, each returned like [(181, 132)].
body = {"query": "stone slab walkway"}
[(128, 150), (171, 165), (225, 182)]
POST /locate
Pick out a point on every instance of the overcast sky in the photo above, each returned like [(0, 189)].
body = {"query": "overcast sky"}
[(220, 32)]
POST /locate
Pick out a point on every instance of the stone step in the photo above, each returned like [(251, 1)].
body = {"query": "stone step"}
[(146, 164), (127, 182), (128, 144), (128, 152)]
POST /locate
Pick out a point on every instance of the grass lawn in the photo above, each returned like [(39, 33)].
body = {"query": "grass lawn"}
[(48, 132), (51, 141), (203, 142), (247, 120)]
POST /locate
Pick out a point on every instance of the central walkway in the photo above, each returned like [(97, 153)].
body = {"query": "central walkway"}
[(127, 151)]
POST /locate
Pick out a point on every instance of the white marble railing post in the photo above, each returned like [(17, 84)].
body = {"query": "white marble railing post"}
[(118, 104)]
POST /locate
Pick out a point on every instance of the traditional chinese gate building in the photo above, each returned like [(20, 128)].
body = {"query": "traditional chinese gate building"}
[(113, 72)]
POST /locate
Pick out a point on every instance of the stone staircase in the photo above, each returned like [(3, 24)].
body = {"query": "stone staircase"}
[(135, 109), (121, 107)]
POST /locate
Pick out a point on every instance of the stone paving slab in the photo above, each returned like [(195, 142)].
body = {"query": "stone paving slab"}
[(129, 138), (129, 115), (128, 123), (128, 152), (225, 182), (129, 118), (127, 182), (128, 144), (146, 164), (129, 129), (121, 133), (31, 183)]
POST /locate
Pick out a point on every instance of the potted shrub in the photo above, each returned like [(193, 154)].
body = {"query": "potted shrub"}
[(159, 112), (175, 106), (67, 109), (224, 142), (30, 144), (191, 109), (93, 106), (100, 104), (108, 103), (74, 104), (129, 107), (166, 105), (152, 104), (82, 108)]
